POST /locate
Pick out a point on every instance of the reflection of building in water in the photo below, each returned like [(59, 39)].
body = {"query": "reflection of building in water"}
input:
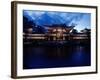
[(56, 32)]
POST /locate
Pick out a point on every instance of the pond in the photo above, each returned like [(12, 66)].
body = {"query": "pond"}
[(53, 56)]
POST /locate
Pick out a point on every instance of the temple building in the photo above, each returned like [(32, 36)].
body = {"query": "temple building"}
[(58, 32)]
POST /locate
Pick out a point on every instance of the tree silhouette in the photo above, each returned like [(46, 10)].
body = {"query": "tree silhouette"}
[(86, 30), (74, 31), (27, 24)]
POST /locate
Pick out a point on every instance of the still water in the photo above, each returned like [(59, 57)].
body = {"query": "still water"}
[(53, 56)]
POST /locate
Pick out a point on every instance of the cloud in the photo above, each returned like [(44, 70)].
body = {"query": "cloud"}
[(34, 14), (52, 17)]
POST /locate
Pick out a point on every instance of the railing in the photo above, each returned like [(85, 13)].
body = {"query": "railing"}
[(54, 36)]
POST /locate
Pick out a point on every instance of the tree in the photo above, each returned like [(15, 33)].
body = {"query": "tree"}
[(74, 31), (86, 30), (27, 24)]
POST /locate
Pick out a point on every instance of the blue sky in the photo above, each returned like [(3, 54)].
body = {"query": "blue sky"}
[(80, 20)]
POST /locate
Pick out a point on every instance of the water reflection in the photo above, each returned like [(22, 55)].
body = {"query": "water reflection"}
[(56, 56)]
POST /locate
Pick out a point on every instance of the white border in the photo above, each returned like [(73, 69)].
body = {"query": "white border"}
[(21, 72)]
